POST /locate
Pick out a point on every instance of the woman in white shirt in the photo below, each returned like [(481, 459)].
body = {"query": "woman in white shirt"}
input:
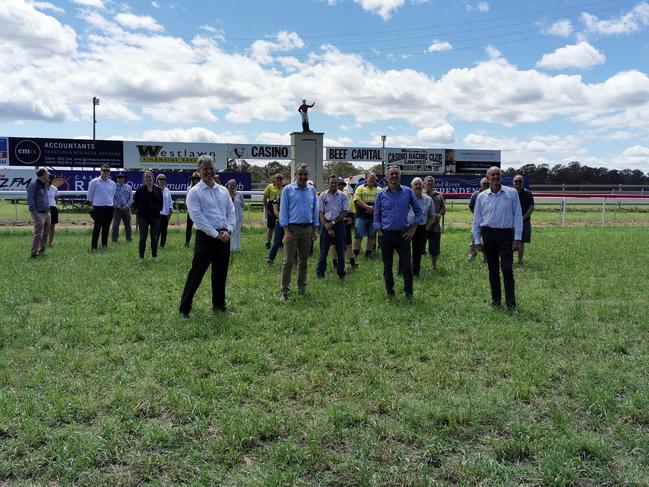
[(237, 200), (52, 194), (167, 208)]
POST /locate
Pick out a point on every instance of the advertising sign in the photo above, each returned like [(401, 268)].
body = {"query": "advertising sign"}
[(4, 151), (353, 154), (171, 155), (471, 161), (258, 151), (64, 152), (429, 161), (450, 185)]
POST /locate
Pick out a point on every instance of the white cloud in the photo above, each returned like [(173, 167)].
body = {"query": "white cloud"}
[(261, 50), (90, 3), (632, 21), (155, 4), (443, 134), (384, 8), (581, 56), (47, 6), (438, 46), (492, 52), (635, 157), (561, 28), (480, 7), (132, 21), (193, 134), (273, 138)]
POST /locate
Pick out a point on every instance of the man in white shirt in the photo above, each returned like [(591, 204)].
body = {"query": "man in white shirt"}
[(212, 211), (167, 208), (498, 220), (101, 192)]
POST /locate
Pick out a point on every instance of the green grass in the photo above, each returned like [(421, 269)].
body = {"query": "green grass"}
[(103, 384)]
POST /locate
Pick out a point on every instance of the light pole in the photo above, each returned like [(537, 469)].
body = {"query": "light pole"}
[(383, 137), (95, 102)]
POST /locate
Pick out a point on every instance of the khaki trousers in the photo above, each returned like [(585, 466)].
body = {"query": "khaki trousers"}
[(301, 242), (41, 223)]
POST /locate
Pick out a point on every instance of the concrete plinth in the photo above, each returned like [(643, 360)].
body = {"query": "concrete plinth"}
[(308, 147)]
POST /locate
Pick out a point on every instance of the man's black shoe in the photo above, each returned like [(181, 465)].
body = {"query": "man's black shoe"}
[(184, 314)]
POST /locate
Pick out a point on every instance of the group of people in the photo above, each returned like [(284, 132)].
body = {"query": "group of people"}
[(403, 218)]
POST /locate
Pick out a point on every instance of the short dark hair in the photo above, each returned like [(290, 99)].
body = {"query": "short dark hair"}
[(105, 166), (41, 172)]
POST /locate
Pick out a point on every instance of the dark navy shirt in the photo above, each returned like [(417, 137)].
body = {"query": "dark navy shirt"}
[(37, 197)]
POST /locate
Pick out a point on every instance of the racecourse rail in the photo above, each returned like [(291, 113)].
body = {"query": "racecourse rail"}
[(561, 199)]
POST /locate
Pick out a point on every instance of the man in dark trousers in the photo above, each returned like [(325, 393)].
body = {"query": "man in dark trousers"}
[(101, 195), (212, 211), (497, 230), (527, 207), (304, 109), (391, 222), (333, 206)]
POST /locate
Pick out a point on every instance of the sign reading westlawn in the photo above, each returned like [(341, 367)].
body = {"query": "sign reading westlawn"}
[(171, 155), (34, 151)]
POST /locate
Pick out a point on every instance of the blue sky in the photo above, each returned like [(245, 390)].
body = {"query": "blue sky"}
[(544, 82)]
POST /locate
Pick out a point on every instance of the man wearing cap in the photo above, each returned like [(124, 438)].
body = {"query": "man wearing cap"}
[(101, 191), (497, 230), (393, 204), (122, 202), (39, 207), (298, 215), (333, 206), (212, 211)]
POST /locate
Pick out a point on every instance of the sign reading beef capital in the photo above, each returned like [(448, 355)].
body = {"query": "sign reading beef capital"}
[(64, 152), (171, 155), (354, 154)]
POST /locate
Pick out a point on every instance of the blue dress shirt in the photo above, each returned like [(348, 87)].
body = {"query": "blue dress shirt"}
[(123, 195), (498, 210), (427, 210), (392, 207), (37, 198), (298, 205)]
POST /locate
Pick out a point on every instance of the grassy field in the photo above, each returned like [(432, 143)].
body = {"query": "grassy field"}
[(102, 383)]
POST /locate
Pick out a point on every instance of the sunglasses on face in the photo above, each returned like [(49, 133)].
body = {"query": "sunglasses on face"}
[(105, 170)]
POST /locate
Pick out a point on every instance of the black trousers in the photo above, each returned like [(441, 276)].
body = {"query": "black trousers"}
[(208, 250), (103, 216), (418, 248), (497, 245), (164, 224), (393, 240), (188, 229), (144, 226)]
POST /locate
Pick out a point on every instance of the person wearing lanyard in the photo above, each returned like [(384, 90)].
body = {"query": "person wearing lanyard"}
[(212, 211), (497, 230), (298, 215), (391, 222), (101, 192), (167, 208), (333, 206)]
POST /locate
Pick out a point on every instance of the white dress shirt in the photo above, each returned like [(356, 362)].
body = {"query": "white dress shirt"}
[(100, 192), (211, 209), (167, 202), (52, 193), (498, 210)]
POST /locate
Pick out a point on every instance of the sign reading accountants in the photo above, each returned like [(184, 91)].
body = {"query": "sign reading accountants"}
[(64, 152)]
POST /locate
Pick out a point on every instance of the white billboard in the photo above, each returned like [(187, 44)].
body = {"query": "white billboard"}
[(171, 155), (258, 151), (353, 154), (429, 161)]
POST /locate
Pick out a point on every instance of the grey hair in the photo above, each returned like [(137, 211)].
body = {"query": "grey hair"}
[(431, 178), (302, 165), (416, 180), (204, 160), (230, 182)]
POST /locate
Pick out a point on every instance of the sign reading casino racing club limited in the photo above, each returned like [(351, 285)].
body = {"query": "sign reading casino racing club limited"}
[(429, 161), (64, 152)]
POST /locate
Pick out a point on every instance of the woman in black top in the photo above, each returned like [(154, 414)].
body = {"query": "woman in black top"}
[(148, 204)]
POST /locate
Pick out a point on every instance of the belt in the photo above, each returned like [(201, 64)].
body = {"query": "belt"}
[(396, 231), (302, 224), (493, 229), (43, 211)]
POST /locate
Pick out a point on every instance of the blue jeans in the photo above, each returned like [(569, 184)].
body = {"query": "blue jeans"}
[(278, 236), (325, 242)]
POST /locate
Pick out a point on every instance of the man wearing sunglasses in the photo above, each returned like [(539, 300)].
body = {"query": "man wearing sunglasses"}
[(101, 194), (527, 207)]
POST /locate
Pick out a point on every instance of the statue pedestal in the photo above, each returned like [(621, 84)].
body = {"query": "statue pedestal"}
[(308, 147)]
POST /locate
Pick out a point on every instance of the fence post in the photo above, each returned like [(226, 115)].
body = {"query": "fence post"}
[(16, 210), (563, 212), (604, 211)]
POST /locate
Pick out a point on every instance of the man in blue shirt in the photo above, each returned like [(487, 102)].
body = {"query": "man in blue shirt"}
[(298, 215), (498, 220), (333, 206), (391, 221), (122, 202), (39, 207)]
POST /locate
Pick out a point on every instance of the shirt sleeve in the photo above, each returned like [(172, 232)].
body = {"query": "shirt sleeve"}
[(518, 218), (200, 221), (283, 208), (31, 197), (91, 190), (315, 216), (346, 207), (477, 219), (378, 209)]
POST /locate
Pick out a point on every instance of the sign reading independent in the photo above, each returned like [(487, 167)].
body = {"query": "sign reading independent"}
[(429, 161), (171, 155), (354, 154), (64, 152)]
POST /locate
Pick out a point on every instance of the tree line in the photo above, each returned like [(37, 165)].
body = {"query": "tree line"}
[(572, 173)]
